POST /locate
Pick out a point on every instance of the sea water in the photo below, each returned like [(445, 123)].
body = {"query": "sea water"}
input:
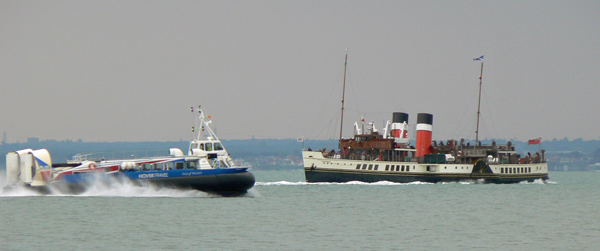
[(283, 212)]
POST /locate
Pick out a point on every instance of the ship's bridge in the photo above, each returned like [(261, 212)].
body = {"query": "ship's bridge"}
[(210, 148)]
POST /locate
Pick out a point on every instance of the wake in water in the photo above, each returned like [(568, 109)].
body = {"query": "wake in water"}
[(539, 182), (384, 183), (114, 188), (359, 183)]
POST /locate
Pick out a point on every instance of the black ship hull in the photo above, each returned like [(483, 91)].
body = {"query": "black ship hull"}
[(342, 176)]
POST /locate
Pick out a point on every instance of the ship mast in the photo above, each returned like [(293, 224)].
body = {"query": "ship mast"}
[(479, 101), (343, 94)]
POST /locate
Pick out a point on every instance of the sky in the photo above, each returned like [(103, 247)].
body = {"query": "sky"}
[(131, 70)]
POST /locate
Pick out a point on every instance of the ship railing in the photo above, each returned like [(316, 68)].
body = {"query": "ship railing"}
[(465, 147), (368, 157), (115, 155)]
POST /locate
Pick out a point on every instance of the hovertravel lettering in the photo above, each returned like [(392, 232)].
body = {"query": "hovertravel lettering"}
[(153, 175)]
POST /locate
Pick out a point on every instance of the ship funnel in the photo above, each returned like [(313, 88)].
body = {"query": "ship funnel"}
[(424, 130), (400, 128)]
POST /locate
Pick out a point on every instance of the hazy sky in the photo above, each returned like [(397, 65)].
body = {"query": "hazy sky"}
[(130, 70)]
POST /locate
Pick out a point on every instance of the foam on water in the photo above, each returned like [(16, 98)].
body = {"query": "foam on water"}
[(128, 189), (17, 191), (539, 182), (110, 188), (384, 183), (359, 183)]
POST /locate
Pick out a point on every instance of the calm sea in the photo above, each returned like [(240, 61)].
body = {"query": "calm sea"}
[(284, 213)]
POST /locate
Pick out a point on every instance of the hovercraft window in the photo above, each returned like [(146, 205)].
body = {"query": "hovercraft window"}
[(146, 167), (157, 166), (169, 166), (179, 165), (191, 164)]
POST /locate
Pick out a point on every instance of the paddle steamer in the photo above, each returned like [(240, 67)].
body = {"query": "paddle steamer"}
[(389, 156)]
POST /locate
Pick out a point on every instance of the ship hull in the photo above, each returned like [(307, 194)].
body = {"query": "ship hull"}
[(321, 169), (342, 176), (228, 184)]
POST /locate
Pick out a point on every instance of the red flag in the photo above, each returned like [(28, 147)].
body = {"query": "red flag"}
[(535, 141)]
